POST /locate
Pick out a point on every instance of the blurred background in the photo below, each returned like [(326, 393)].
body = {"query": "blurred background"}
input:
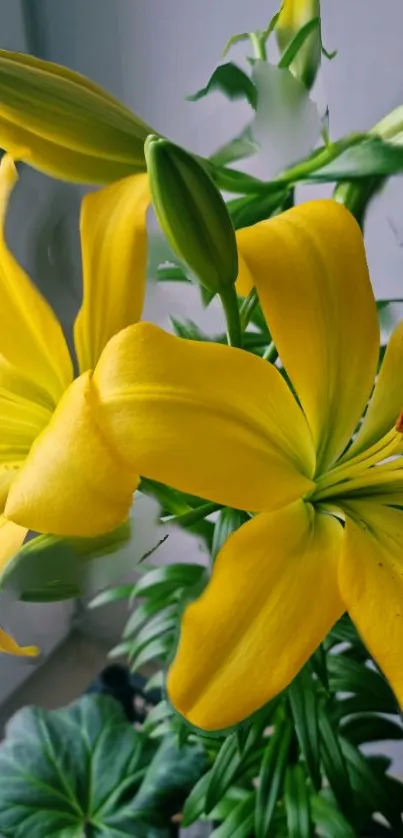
[(152, 54)]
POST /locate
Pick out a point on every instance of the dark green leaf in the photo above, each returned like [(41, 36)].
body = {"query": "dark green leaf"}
[(296, 801), (169, 779), (333, 760), (271, 777), (239, 824), (304, 706), (366, 783), (348, 675), (297, 42), (329, 820), (232, 82), (370, 727), (251, 209), (228, 521)]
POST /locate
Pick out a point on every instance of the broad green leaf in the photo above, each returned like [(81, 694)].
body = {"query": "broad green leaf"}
[(296, 799), (239, 824), (304, 707), (169, 779), (271, 777), (329, 820), (228, 521), (372, 157), (232, 82), (48, 568), (333, 760)]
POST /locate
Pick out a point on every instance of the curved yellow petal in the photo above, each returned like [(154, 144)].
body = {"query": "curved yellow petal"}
[(114, 248), (371, 583), (309, 268), (205, 418), (8, 472), (30, 336), (272, 598), (387, 399), (8, 646), (72, 483), (11, 538)]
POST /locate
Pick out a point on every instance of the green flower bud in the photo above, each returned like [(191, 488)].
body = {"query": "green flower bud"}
[(61, 123), (192, 214), (294, 15)]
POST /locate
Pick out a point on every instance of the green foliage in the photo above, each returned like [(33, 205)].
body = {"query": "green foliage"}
[(84, 771), (230, 80)]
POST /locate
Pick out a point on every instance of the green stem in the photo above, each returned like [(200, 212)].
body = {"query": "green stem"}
[(191, 517), (230, 305), (258, 42), (247, 308)]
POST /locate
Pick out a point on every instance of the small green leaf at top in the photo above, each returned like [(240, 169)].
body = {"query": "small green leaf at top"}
[(230, 80)]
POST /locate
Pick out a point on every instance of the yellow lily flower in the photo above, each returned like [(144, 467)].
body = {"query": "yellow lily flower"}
[(37, 371), (294, 15), (326, 528)]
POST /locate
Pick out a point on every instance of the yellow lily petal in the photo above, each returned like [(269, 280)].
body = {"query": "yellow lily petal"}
[(272, 598), (72, 483), (8, 472), (387, 399), (114, 247), (8, 646), (206, 418), (30, 336), (371, 582), (309, 268)]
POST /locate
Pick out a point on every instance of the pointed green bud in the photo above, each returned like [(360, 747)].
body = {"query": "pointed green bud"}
[(61, 123), (294, 16), (192, 214)]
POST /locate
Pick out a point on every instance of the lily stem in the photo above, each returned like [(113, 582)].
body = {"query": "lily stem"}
[(247, 308), (230, 305)]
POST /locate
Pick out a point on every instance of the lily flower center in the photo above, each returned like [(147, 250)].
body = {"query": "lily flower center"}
[(375, 469)]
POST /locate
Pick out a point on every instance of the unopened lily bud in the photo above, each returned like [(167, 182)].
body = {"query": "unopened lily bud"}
[(61, 123), (192, 214), (294, 15)]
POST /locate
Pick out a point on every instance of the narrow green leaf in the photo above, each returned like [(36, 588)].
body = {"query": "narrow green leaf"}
[(297, 42), (158, 649), (194, 807), (228, 521), (369, 727), (251, 209), (161, 624), (167, 578), (372, 157), (235, 39), (146, 609), (188, 329), (346, 675), (223, 773), (296, 799), (239, 824), (304, 707), (232, 82), (111, 595), (329, 820), (333, 760), (238, 148), (271, 777)]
